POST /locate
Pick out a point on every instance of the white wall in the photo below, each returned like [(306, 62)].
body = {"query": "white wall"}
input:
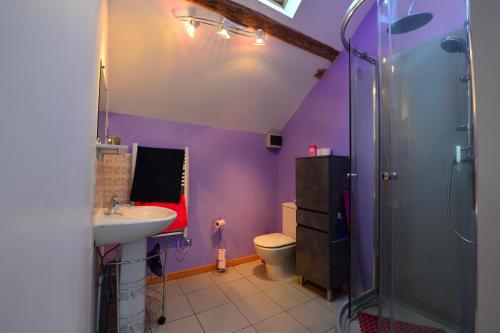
[(104, 34), (485, 28), (48, 78)]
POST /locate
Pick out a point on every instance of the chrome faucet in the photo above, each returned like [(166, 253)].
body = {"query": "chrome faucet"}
[(113, 206)]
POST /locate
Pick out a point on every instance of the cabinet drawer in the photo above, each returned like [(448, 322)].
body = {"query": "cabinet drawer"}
[(313, 256), (313, 183), (313, 220)]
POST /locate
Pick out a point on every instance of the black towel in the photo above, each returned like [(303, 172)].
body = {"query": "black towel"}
[(158, 175)]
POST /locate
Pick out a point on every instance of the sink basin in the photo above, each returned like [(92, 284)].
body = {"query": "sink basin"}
[(130, 224)]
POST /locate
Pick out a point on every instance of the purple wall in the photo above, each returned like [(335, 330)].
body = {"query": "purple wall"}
[(232, 175), (323, 117)]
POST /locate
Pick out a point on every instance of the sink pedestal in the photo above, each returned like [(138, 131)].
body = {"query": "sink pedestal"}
[(131, 226), (132, 306)]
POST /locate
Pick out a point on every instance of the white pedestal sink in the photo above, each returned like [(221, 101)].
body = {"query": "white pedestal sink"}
[(131, 226)]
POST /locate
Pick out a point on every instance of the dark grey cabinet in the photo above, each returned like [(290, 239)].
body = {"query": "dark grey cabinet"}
[(322, 252)]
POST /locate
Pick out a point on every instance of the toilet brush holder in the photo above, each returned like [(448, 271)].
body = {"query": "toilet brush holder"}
[(221, 258)]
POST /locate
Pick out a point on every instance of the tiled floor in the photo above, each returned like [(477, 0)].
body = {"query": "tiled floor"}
[(243, 300)]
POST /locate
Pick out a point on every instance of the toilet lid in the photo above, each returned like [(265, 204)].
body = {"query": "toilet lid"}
[(273, 240)]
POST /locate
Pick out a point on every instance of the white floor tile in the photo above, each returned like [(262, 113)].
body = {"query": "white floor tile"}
[(282, 323), (223, 319), (230, 275), (309, 289), (336, 304), (186, 325), (177, 307), (247, 330), (172, 289), (251, 268), (264, 283), (238, 289), (256, 299), (287, 296), (196, 282), (204, 299), (258, 307), (314, 316)]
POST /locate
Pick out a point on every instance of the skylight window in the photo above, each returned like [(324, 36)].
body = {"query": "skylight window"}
[(286, 7), (282, 3)]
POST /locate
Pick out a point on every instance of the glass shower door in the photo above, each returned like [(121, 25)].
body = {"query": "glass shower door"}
[(428, 230), (363, 181)]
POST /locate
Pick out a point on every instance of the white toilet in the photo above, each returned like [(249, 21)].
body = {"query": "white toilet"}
[(278, 249)]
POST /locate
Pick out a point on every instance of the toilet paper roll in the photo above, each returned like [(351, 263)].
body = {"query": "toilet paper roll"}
[(222, 254), (219, 223), (221, 259)]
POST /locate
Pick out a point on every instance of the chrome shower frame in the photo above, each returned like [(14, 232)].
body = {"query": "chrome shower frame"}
[(411, 9), (347, 44), (351, 307)]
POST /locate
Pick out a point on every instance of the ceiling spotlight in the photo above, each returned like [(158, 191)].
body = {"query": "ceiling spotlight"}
[(223, 33), (191, 26), (223, 30), (260, 37)]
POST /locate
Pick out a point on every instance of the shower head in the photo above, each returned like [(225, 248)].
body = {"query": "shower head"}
[(454, 44), (410, 22)]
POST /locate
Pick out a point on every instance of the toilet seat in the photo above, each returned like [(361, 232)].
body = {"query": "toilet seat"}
[(274, 241)]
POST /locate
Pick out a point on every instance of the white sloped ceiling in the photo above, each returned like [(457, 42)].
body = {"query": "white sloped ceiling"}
[(156, 70)]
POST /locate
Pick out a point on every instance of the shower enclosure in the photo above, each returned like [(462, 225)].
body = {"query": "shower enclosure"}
[(413, 226)]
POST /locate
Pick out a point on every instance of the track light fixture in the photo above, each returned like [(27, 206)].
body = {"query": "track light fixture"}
[(226, 28)]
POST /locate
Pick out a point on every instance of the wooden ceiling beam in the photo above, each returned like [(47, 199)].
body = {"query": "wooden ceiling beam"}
[(253, 19)]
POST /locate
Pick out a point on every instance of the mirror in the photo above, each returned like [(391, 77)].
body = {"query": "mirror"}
[(102, 110)]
